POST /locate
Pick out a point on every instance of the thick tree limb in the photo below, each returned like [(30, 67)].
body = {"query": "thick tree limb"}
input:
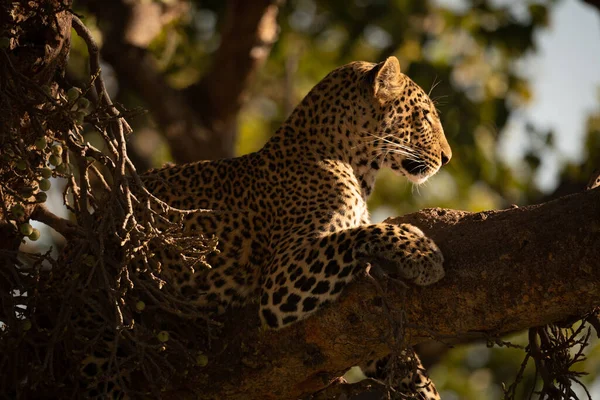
[(506, 271), (199, 122), (249, 31)]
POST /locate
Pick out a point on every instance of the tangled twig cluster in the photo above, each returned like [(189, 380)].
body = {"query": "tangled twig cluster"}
[(555, 350), (103, 294)]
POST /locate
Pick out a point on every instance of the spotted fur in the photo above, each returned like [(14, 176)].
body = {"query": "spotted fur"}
[(415, 382), (291, 219)]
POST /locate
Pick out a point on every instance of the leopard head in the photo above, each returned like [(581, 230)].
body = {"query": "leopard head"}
[(401, 127)]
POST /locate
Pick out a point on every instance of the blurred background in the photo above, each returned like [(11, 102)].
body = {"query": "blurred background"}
[(517, 84)]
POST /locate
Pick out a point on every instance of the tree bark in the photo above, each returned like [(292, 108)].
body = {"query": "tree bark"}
[(506, 271), (41, 40)]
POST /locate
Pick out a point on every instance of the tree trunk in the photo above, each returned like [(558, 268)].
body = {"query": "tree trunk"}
[(200, 122), (43, 40)]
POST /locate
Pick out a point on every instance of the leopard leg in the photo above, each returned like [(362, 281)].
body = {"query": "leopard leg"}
[(235, 269), (310, 272), (408, 376)]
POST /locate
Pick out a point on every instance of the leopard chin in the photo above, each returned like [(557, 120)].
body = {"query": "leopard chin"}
[(416, 171)]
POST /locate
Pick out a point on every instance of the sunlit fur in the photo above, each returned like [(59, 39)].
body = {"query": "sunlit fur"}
[(291, 219)]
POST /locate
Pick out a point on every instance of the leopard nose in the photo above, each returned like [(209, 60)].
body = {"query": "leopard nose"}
[(445, 158)]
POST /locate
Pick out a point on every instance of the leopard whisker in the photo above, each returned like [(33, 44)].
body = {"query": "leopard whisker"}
[(398, 148), (376, 138), (385, 140), (402, 147), (377, 154), (409, 156)]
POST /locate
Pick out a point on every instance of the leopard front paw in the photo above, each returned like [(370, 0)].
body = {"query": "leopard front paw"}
[(422, 261)]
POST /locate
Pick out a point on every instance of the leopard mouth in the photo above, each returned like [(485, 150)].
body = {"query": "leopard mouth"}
[(414, 167), (417, 171)]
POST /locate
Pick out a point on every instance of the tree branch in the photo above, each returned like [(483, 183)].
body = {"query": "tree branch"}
[(199, 122), (507, 271), (36, 54), (63, 226), (249, 31)]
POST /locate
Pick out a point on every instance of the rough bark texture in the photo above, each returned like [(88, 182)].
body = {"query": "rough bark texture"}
[(42, 33), (506, 271)]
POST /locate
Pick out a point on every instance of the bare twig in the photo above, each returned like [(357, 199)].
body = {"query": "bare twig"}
[(63, 226)]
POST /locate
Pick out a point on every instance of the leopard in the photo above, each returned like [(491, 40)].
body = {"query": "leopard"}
[(291, 219)]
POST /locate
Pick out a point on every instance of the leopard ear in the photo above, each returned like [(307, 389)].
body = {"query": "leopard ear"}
[(384, 76)]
